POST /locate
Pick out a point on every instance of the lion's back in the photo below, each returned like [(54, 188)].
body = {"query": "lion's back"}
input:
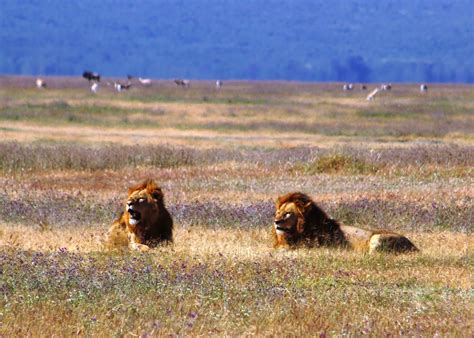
[(162, 230), (117, 234)]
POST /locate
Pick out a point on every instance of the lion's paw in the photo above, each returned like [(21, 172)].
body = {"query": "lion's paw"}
[(139, 247)]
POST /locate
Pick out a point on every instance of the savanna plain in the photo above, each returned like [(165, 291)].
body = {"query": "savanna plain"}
[(402, 162)]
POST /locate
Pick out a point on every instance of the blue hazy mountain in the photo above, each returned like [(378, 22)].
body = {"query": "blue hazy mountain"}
[(337, 40)]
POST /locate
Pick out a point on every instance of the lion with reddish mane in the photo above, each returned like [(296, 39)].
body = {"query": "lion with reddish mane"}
[(145, 222), (300, 222)]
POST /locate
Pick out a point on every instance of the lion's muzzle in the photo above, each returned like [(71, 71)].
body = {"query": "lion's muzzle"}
[(135, 216), (278, 223)]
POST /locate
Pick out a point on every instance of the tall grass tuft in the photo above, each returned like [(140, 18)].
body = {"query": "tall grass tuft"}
[(18, 158)]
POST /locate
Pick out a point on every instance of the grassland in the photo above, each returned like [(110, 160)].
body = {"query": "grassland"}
[(403, 162)]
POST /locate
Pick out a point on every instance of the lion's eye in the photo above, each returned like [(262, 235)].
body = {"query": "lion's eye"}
[(141, 200), (287, 215)]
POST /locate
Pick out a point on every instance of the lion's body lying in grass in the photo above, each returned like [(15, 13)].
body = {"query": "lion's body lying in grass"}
[(145, 222), (299, 221)]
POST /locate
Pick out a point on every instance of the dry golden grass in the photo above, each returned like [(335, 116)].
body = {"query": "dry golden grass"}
[(240, 244), (402, 162), (229, 282)]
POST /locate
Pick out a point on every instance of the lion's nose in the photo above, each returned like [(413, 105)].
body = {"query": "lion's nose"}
[(278, 221)]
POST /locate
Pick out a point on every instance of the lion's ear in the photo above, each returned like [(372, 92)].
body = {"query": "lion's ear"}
[(131, 190), (156, 193), (304, 206), (300, 225), (278, 203), (282, 200)]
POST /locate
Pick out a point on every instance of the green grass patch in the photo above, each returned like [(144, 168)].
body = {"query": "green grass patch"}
[(197, 98), (378, 114), (63, 112)]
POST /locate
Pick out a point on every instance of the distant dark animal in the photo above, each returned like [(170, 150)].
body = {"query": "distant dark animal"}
[(40, 83), (348, 86), (363, 87), (182, 83), (121, 87), (423, 88), (386, 86), (91, 76)]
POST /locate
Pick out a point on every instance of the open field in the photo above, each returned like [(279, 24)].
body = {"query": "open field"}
[(403, 162)]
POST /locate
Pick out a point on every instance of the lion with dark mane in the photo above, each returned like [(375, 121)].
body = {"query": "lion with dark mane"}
[(299, 221), (145, 222)]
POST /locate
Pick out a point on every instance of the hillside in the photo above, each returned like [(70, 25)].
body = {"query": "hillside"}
[(343, 40)]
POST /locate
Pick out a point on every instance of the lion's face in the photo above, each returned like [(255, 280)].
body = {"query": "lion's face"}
[(141, 205), (286, 220)]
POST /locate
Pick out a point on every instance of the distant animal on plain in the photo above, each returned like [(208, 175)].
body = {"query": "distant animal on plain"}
[(363, 87), (348, 86), (40, 83), (182, 83), (372, 94), (121, 87), (145, 82), (94, 87), (386, 86), (218, 84), (423, 88), (91, 76)]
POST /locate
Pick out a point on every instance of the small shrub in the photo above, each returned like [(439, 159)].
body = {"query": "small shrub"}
[(60, 105), (339, 163)]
